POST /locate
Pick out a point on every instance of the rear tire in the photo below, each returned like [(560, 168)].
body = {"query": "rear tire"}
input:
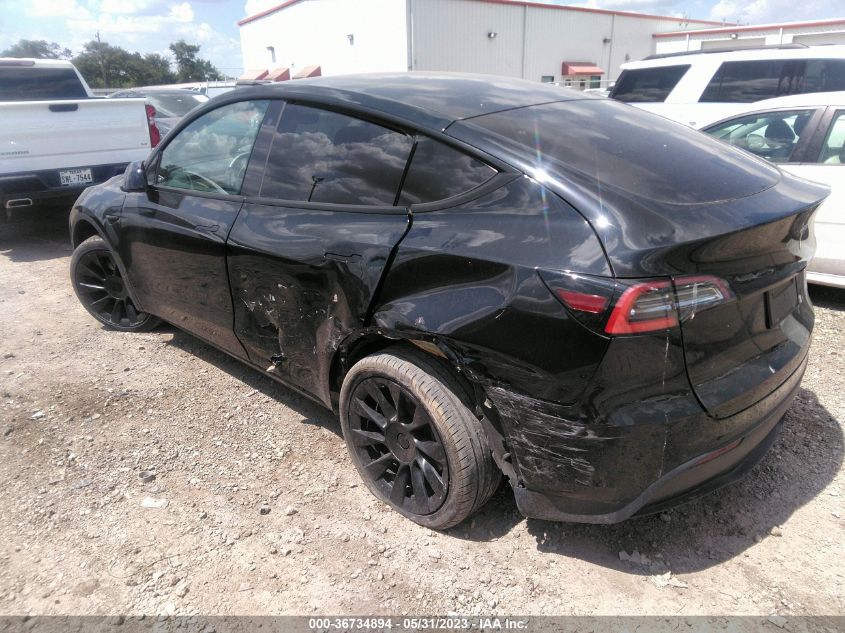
[(102, 291), (415, 443)]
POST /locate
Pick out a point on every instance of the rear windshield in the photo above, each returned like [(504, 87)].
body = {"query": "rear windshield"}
[(648, 84), (175, 105), (31, 83), (604, 145)]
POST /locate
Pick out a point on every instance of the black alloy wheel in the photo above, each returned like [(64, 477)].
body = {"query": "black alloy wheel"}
[(102, 290), (398, 446), (412, 435)]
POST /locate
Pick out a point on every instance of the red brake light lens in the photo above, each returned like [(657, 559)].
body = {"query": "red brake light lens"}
[(645, 307), (635, 306), (155, 134), (582, 301)]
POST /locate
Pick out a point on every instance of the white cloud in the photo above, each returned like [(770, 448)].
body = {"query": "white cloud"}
[(56, 9), (765, 11)]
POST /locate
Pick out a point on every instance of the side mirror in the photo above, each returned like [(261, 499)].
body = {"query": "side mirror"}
[(135, 177)]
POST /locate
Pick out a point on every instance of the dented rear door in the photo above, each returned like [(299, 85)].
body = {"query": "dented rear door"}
[(304, 278), (308, 250)]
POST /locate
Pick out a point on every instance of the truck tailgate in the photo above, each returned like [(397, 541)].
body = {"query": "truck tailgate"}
[(38, 135)]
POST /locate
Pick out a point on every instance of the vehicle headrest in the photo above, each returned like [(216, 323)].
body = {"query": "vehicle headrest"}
[(779, 130)]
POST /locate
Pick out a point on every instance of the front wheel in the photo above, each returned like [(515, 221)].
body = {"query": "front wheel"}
[(414, 442), (102, 291)]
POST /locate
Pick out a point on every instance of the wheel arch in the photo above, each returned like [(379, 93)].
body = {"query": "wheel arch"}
[(84, 228), (440, 351)]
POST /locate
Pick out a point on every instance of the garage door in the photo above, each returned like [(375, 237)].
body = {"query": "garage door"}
[(820, 38), (742, 42)]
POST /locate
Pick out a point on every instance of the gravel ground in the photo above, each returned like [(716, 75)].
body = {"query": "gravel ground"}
[(152, 474)]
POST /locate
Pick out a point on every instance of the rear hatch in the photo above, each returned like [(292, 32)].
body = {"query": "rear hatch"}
[(739, 351), (667, 201)]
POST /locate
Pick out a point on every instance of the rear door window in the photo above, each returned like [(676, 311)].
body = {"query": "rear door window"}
[(32, 83), (648, 84), (323, 156), (770, 135), (438, 172), (749, 81)]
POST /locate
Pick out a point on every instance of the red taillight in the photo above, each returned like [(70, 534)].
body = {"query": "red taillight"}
[(640, 305), (155, 135), (657, 305), (582, 301), (645, 307)]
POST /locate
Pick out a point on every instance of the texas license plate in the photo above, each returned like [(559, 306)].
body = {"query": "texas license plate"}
[(75, 177)]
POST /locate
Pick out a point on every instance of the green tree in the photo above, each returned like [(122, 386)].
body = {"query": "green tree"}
[(103, 65), (191, 68), (40, 49)]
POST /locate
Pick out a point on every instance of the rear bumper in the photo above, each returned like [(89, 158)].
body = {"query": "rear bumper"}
[(45, 186), (704, 473)]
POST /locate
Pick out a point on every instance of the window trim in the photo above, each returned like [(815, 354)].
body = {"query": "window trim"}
[(805, 143), (501, 169), (505, 171)]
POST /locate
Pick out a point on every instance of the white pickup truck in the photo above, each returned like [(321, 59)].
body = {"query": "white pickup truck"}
[(57, 138)]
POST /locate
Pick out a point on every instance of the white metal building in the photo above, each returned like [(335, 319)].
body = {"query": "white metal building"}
[(535, 41), (809, 33)]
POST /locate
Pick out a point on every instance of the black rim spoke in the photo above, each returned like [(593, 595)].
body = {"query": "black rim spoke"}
[(400, 483), (421, 502), (100, 287), (431, 476), (397, 446), (364, 410), (387, 410), (378, 467), (366, 438), (433, 450)]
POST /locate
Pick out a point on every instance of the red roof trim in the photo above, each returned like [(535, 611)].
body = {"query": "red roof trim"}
[(759, 27), (267, 12), (519, 3)]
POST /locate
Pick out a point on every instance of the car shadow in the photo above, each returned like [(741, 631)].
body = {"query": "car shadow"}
[(827, 297), (311, 412), (39, 235), (691, 537)]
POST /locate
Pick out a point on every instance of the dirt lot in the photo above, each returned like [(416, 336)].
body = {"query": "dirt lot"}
[(85, 411)]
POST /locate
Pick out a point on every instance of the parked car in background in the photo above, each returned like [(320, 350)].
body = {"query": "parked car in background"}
[(804, 135), (56, 138), (705, 86), (170, 105), (480, 275)]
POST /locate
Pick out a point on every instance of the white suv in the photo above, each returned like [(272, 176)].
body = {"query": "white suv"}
[(702, 86)]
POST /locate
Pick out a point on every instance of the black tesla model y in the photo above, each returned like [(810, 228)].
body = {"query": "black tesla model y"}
[(480, 276)]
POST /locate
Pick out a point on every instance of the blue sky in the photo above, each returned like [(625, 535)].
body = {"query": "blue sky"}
[(150, 25)]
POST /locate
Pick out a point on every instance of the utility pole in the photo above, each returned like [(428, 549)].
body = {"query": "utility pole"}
[(100, 59)]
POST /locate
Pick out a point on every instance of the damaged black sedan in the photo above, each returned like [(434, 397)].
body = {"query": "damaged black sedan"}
[(480, 276)]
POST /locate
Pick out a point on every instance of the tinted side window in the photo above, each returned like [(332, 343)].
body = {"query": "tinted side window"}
[(773, 135), (437, 172), (648, 84), (38, 84), (323, 156), (211, 154), (745, 82)]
